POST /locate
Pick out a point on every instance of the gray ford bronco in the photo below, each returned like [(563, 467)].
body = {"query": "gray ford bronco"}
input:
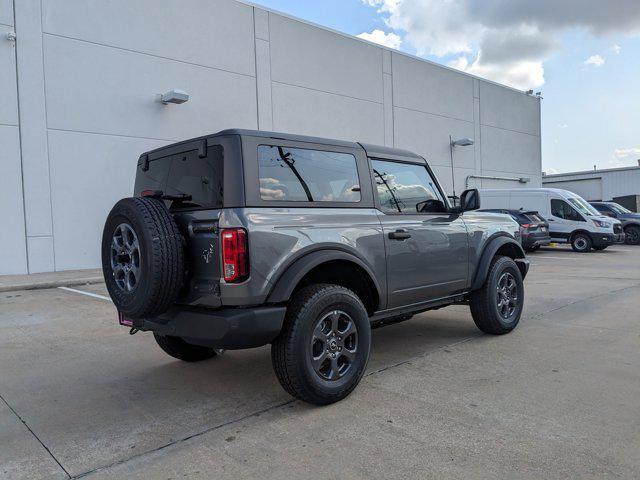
[(245, 238)]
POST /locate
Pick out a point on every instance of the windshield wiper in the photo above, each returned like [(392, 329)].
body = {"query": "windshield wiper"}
[(159, 194)]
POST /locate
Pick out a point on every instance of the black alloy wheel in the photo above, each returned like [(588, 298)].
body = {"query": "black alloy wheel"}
[(334, 345), (507, 295), (125, 258)]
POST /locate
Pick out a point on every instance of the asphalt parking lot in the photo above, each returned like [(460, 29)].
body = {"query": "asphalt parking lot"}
[(557, 398)]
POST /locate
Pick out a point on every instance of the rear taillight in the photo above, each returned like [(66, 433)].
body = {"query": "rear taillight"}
[(235, 254), (527, 225)]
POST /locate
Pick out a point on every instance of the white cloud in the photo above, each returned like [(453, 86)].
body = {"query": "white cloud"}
[(615, 48), (625, 156), (390, 40), (504, 40), (563, 125), (520, 74), (595, 60)]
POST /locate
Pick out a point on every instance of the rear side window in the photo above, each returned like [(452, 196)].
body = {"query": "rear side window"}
[(406, 188), (561, 209), (186, 174), (301, 175)]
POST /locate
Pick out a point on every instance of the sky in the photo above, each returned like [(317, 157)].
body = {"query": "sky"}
[(583, 55)]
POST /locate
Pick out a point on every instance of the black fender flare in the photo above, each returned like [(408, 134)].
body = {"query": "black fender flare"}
[(287, 282), (493, 245)]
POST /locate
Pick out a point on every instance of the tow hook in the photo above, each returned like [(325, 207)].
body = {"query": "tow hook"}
[(133, 331)]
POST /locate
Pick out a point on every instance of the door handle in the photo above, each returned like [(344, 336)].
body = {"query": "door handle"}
[(399, 234)]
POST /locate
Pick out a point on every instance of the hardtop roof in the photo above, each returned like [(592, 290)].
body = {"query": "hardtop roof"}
[(372, 150)]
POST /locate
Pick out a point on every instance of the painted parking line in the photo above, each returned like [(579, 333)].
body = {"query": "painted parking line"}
[(541, 257), (88, 294)]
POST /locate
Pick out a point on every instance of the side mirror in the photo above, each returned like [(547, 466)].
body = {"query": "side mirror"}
[(470, 200)]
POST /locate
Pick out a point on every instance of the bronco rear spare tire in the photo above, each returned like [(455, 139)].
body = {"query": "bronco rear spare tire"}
[(142, 257)]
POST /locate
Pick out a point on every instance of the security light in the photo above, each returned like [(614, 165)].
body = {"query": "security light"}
[(462, 142), (524, 179), (174, 96)]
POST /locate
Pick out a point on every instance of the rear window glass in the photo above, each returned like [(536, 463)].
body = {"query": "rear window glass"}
[(186, 174), (301, 175), (536, 217)]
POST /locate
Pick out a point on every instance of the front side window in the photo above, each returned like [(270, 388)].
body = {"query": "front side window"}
[(301, 175), (561, 209), (582, 206), (406, 188)]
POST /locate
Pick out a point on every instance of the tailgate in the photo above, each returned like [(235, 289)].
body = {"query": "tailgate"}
[(202, 256)]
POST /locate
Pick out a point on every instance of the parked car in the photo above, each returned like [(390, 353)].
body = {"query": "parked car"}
[(534, 230), (571, 219), (244, 238), (630, 220)]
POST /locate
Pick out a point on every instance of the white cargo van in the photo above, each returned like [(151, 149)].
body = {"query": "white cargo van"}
[(571, 219)]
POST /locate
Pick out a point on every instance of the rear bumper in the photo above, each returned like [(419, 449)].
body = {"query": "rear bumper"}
[(230, 328), (530, 241)]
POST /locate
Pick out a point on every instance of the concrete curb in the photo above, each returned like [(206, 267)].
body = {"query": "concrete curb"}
[(72, 282)]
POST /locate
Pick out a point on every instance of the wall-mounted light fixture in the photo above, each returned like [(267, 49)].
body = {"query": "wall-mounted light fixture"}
[(174, 96), (461, 142)]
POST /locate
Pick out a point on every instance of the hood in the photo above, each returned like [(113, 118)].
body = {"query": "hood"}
[(634, 216), (604, 218)]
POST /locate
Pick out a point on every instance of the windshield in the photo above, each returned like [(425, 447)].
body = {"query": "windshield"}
[(583, 207), (618, 208)]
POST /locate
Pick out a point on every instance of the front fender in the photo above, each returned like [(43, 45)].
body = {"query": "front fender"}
[(515, 251), (287, 281)]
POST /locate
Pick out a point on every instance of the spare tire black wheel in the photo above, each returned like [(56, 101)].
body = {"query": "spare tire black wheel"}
[(142, 257)]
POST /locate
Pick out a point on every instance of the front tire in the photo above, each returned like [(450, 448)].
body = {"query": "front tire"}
[(176, 347), (497, 307), (632, 235), (581, 243), (323, 349)]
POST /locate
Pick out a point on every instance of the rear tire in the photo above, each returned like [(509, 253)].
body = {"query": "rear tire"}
[(178, 348), (632, 235), (581, 243), (497, 307), (323, 349)]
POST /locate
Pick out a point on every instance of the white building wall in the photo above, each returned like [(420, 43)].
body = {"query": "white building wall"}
[(600, 184), (89, 72)]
